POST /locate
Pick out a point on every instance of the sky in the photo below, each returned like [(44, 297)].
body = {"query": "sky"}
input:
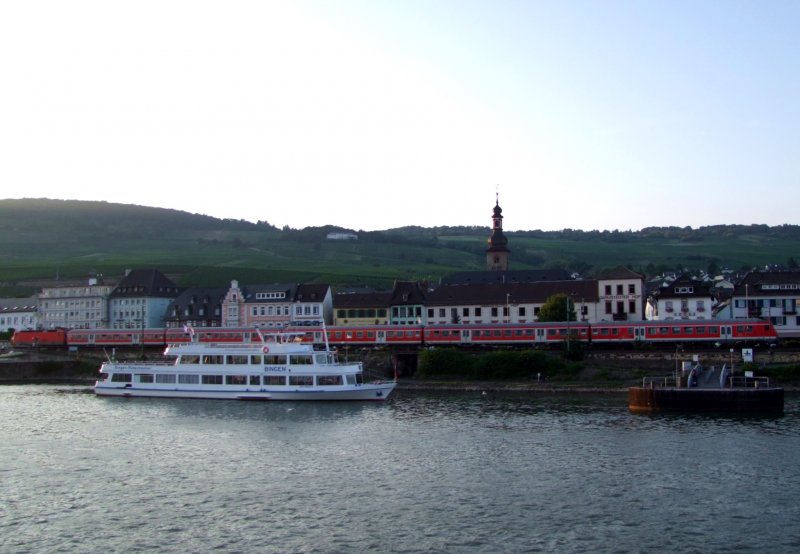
[(369, 115)]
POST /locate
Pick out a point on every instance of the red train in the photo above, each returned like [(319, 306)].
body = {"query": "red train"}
[(524, 334)]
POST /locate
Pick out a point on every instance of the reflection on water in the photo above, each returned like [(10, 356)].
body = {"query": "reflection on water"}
[(422, 472)]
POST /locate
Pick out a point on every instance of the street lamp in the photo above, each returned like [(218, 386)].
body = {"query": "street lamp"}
[(508, 308)]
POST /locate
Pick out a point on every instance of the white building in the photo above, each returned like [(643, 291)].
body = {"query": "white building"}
[(75, 307), (19, 313)]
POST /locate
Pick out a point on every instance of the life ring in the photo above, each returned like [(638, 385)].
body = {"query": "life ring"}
[(265, 350)]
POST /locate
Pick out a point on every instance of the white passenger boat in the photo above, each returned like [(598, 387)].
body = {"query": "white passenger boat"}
[(280, 367)]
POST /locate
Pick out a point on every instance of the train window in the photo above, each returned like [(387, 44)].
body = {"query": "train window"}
[(370, 334), (615, 331), (518, 332), (496, 332), (604, 332), (663, 330), (688, 330), (359, 334), (562, 332), (529, 332), (507, 333), (739, 329), (676, 330), (748, 329), (701, 330), (595, 331), (651, 331), (551, 332)]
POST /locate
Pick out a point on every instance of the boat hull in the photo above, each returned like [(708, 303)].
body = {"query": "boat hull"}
[(379, 391), (737, 400)]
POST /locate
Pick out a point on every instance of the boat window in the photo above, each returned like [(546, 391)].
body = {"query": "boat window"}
[(359, 378), (301, 359), (185, 379), (121, 378), (301, 380), (144, 377), (255, 359), (275, 359), (329, 380), (166, 378), (274, 380), (322, 358), (236, 379), (212, 359), (255, 379), (236, 359), (190, 359), (212, 379)]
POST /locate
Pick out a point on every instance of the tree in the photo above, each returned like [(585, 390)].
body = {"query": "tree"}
[(558, 307)]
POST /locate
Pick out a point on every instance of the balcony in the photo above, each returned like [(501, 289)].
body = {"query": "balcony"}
[(620, 317)]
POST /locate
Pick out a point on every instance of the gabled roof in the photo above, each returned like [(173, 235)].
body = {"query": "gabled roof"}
[(684, 287), (202, 296), (619, 272), (769, 283), (362, 300), (145, 283), (16, 305), (516, 276), (407, 293), (311, 292), (518, 293), (249, 292)]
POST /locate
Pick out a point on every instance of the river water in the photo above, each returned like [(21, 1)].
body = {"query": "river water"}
[(423, 472)]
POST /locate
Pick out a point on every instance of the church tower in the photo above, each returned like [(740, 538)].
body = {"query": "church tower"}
[(497, 253)]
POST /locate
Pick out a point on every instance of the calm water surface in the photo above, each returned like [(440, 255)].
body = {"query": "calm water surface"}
[(423, 472)]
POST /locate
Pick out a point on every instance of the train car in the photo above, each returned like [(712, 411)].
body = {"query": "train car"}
[(709, 331), (52, 338), (523, 334), (116, 337), (375, 335)]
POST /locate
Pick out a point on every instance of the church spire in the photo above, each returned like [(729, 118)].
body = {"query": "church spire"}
[(497, 253)]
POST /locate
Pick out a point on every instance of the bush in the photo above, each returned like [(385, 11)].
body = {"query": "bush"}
[(444, 362), (492, 366)]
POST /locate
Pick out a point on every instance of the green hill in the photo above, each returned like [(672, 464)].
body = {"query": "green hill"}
[(41, 239)]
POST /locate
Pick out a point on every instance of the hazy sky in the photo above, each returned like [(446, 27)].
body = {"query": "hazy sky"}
[(373, 114)]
